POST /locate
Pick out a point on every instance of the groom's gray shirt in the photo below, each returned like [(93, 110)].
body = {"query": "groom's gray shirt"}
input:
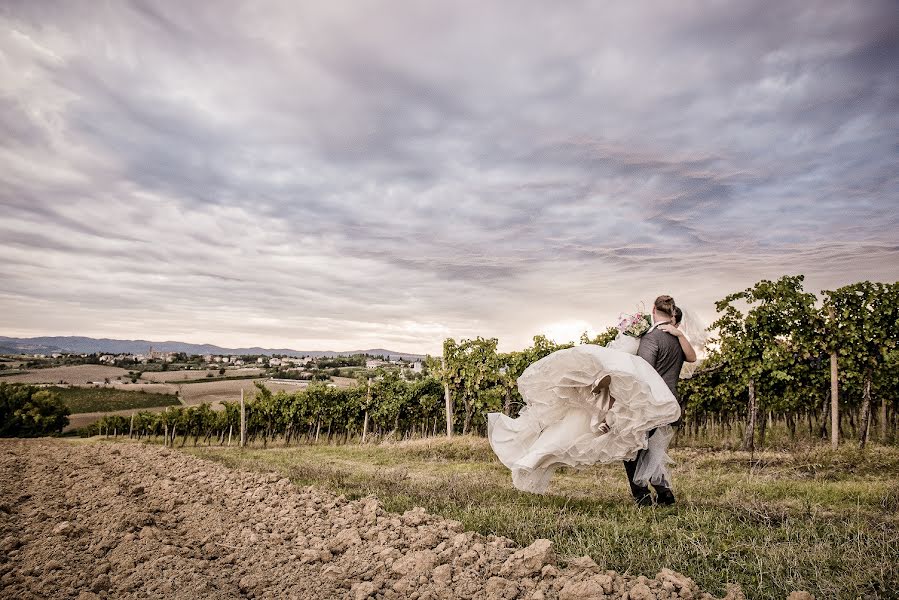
[(662, 350)]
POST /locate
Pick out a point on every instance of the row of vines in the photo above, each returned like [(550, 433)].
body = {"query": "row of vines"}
[(827, 366), (388, 405), (779, 356)]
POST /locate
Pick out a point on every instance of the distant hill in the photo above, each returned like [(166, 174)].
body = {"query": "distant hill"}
[(86, 345)]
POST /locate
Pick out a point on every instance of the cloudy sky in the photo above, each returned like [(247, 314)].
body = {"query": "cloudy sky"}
[(341, 175)]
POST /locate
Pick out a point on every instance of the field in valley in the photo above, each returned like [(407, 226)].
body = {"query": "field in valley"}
[(121, 396), (211, 392), (73, 375), (104, 399), (168, 376), (215, 392)]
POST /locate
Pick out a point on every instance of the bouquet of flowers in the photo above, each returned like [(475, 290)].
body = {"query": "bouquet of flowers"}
[(635, 325)]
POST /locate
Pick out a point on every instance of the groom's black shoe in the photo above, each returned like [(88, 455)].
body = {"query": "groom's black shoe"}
[(645, 500), (664, 497)]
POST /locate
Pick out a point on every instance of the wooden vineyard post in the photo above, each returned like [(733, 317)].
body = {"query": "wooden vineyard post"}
[(230, 431), (449, 410), (834, 402), (749, 436), (365, 424), (131, 428), (865, 422), (243, 422)]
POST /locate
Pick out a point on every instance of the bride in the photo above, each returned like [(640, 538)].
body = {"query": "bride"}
[(592, 404)]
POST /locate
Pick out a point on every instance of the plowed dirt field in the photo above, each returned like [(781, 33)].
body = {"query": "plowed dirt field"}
[(131, 520)]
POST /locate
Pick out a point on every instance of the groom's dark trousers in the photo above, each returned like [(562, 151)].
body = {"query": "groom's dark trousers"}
[(641, 493), (661, 350)]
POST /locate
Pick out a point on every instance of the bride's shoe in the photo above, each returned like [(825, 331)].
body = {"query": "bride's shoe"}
[(602, 384)]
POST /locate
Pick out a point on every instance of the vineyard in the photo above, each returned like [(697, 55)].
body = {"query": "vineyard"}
[(781, 361)]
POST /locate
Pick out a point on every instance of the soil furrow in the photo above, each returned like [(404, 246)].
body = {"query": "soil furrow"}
[(130, 520)]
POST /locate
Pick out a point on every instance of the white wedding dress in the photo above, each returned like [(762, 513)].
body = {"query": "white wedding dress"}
[(559, 426)]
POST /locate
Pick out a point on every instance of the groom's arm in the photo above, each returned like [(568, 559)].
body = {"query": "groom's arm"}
[(649, 349)]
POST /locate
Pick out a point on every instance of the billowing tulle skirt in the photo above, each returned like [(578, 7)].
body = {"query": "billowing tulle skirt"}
[(560, 424)]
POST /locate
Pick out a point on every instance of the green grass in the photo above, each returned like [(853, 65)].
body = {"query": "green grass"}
[(85, 400), (811, 519), (11, 372)]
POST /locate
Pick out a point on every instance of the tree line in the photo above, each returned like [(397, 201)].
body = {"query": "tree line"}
[(29, 411)]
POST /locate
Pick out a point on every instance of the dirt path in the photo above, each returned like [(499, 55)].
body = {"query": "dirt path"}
[(130, 520)]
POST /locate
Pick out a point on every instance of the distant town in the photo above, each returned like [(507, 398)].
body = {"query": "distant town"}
[(302, 368)]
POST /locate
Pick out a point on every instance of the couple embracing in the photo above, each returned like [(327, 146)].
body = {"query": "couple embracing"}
[(594, 404)]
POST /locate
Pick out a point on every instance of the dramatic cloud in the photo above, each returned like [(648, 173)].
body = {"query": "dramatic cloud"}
[(394, 173)]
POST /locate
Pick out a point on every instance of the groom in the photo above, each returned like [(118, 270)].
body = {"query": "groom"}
[(663, 351)]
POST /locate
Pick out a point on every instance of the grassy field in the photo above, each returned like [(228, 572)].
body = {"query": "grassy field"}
[(201, 375), (809, 519), (91, 400), (12, 372), (197, 381)]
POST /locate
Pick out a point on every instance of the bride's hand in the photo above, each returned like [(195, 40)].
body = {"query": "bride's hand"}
[(669, 328)]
